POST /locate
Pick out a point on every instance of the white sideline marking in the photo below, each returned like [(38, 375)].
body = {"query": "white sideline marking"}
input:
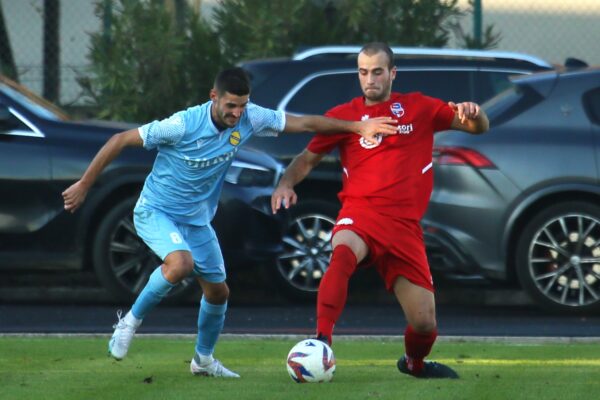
[(385, 338)]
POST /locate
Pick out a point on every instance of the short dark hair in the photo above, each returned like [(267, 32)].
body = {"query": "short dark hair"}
[(376, 47), (234, 81)]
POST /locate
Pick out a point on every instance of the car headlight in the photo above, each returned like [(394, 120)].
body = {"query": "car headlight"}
[(247, 174)]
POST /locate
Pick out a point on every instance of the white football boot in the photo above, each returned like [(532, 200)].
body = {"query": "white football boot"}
[(212, 367), (121, 338)]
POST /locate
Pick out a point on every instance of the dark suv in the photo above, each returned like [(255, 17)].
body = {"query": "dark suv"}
[(319, 78), (43, 151)]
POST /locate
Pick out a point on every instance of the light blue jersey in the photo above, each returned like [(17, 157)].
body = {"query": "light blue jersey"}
[(193, 158)]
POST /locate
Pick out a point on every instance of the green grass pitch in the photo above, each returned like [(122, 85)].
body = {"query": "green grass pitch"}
[(158, 368)]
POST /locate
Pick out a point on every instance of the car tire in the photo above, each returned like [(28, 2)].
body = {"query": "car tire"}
[(122, 261), (307, 248), (558, 257)]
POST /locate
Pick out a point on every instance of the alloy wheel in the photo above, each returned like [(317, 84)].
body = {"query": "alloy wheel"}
[(131, 261), (564, 260), (307, 251)]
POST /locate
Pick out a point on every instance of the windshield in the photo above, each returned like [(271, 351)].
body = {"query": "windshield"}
[(32, 102)]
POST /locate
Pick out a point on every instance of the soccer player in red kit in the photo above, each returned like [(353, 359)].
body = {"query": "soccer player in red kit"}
[(386, 188)]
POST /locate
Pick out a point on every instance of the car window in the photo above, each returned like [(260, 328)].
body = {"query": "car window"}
[(9, 122), (443, 84), (502, 100), (513, 101), (592, 104), (490, 83), (324, 92), (36, 105), (259, 73)]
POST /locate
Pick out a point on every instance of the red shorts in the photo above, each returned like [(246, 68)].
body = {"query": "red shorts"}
[(396, 246)]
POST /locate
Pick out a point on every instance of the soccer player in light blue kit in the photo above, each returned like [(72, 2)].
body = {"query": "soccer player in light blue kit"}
[(180, 196)]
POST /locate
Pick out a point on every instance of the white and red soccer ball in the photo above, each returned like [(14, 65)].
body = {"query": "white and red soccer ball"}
[(311, 361)]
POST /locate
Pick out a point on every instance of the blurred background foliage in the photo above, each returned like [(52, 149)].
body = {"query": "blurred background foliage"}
[(150, 60), (146, 64)]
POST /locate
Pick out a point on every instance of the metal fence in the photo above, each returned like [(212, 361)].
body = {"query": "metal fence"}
[(550, 29), (32, 49), (49, 39)]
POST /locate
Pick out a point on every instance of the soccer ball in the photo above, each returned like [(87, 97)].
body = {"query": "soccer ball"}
[(311, 361)]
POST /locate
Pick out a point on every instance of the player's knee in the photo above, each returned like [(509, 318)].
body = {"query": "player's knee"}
[(222, 294), (424, 324), (343, 262), (422, 319), (216, 294), (351, 241), (177, 266), (220, 298)]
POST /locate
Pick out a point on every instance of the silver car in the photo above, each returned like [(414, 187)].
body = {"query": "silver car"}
[(521, 203)]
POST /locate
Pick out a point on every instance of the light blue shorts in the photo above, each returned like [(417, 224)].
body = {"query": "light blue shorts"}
[(165, 236)]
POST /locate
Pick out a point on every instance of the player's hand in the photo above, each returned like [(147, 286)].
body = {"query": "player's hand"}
[(373, 127), (465, 111), (74, 196), (283, 196)]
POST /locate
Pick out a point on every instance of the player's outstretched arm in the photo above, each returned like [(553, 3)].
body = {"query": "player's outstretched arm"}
[(469, 117), (75, 194), (316, 123), (298, 169)]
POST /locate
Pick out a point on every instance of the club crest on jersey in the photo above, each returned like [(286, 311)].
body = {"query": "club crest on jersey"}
[(234, 138), (397, 110), (369, 145)]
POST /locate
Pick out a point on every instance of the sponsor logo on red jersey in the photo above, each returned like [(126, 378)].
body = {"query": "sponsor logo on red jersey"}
[(405, 129)]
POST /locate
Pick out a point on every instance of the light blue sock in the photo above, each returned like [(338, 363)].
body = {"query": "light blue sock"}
[(154, 291), (211, 319)]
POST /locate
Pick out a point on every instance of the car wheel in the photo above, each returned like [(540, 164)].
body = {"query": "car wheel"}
[(558, 257), (307, 248), (122, 261)]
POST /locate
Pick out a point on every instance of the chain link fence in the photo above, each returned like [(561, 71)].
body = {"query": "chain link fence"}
[(45, 43), (49, 44), (550, 29)]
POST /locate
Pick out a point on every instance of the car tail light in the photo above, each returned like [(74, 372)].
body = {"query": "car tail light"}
[(460, 156)]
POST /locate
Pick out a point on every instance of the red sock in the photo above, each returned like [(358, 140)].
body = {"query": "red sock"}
[(417, 347), (333, 290)]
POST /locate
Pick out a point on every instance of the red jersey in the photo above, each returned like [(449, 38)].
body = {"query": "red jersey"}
[(393, 177)]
